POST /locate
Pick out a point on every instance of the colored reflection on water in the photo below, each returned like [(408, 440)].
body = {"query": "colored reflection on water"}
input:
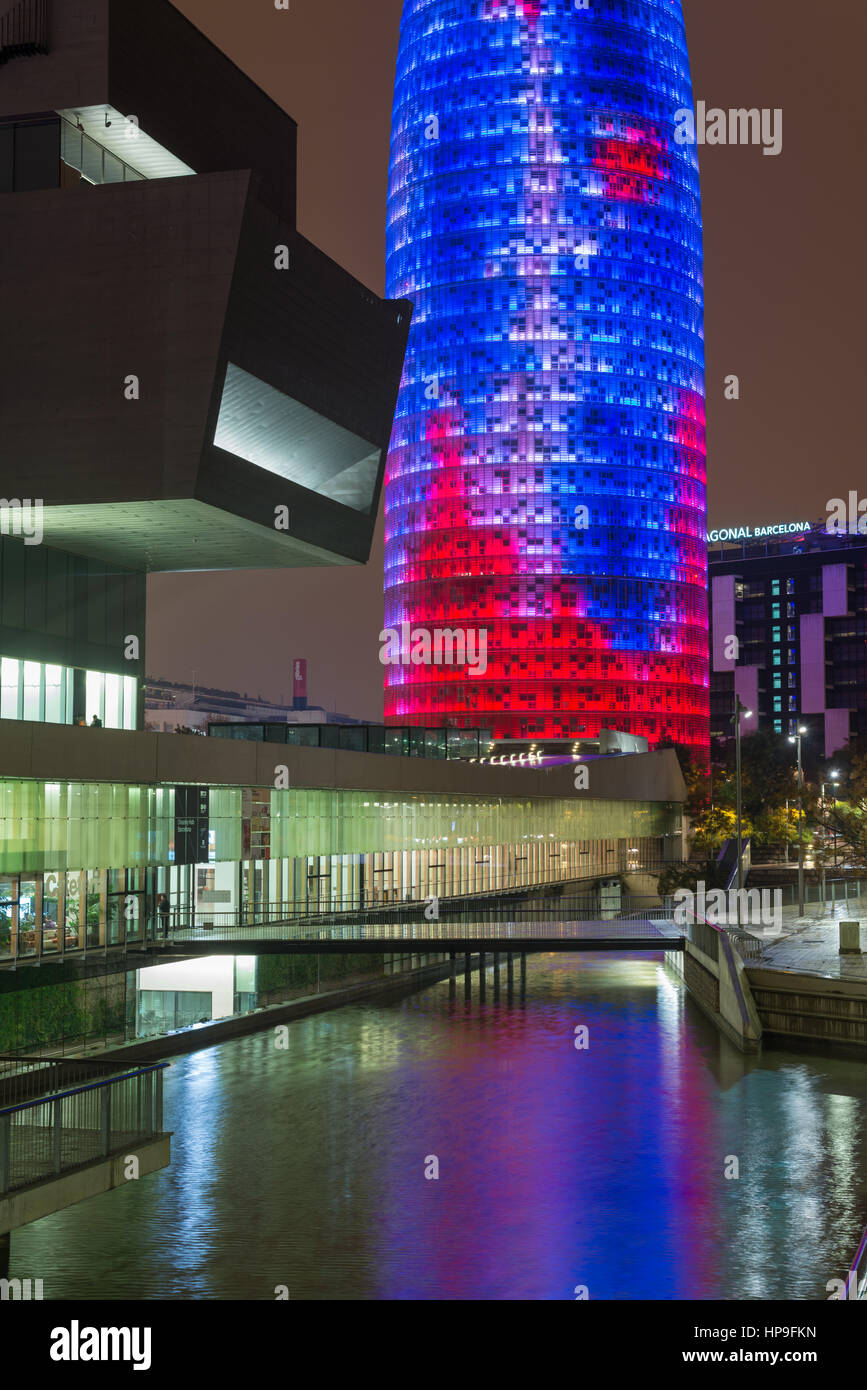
[(603, 1167)]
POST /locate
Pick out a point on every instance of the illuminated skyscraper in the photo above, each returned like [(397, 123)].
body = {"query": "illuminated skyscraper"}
[(546, 479)]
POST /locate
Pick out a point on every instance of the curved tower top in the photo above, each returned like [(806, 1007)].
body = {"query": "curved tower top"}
[(545, 487)]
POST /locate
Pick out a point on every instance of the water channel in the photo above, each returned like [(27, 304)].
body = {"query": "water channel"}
[(560, 1168)]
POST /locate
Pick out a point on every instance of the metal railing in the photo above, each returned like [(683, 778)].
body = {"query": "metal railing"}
[(25, 1077), (520, 904), (24, 940), (56, 1133), (534, 903), (836, 890), (748, 946), (297, 919), (705, 935), (654, 912), (579, 917), (92, 160)]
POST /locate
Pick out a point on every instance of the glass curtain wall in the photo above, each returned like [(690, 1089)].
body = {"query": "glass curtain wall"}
[(46, 694), (83, 864)]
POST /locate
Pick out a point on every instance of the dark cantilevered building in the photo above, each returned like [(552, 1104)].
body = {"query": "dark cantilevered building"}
[(185, 381)]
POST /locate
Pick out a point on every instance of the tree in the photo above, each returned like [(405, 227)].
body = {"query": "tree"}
[(696, 775), (711, 830), (768, 772), (849, 818), (850, 823), (773, 827)]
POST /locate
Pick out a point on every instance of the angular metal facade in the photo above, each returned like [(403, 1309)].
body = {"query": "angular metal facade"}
[(190, 383)]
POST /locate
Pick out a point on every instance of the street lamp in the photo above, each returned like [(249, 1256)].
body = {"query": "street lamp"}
[(832, 776), (796, 738), (739, 710)]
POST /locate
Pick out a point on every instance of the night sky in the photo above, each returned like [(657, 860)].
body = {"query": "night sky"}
[(785, 298)]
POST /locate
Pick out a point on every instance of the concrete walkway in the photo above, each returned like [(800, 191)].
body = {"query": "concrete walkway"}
[(810, 944)]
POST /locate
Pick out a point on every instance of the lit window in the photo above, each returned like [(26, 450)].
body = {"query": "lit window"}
[(54, 695), (130, 695), (93, 697), (32, 690), (9, 670), (112, 701)]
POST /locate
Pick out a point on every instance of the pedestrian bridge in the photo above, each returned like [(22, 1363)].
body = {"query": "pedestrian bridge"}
[(501, 924), (509, 923), (541, 925)]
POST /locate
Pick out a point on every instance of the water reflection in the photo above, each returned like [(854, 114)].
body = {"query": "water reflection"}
[(603, 1167)]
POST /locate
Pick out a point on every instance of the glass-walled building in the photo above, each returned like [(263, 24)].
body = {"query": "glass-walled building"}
[(789, 631), (406, 742), (83, 865), (50, 694), (545, 486), (72, 635)]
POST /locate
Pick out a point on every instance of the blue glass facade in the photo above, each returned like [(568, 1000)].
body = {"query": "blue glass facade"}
[(546, 480)]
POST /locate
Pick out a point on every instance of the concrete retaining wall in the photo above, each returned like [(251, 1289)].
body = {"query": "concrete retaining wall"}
[(220, 1030), (56, 1193), (811, 1008), (722, 991)]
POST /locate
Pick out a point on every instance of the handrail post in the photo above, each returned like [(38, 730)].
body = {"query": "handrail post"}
[(149, 1107), (5, 1146), (105, 1118), (57, 1133), (158, 1108)]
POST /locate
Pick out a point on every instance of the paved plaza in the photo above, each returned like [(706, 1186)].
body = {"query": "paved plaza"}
[(811, 943)]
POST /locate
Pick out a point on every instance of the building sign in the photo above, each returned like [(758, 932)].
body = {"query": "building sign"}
[(191, 825), (299, 683), (752, 533)]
